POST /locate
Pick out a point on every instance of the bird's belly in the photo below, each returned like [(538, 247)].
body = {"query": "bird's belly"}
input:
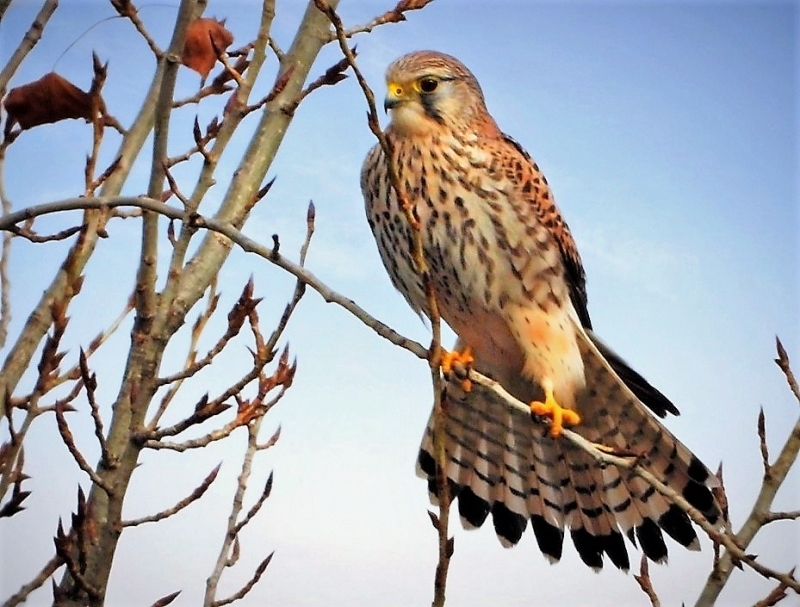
[(496, 351)]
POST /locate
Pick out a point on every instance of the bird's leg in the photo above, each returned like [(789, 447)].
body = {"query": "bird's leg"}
[(454, 357), (559, 416)]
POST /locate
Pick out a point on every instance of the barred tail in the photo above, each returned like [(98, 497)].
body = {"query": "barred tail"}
[(503, 463)]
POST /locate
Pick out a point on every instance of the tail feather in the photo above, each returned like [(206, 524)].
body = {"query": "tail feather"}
[(666, 457), (641, 388), (500, 462)]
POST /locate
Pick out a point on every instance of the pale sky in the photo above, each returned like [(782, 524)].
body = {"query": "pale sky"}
[(669, 134)]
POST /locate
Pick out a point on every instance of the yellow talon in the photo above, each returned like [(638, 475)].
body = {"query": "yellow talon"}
[(453, 357), (559, 416)]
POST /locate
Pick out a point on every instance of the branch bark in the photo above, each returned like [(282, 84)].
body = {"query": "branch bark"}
[(774, 476)]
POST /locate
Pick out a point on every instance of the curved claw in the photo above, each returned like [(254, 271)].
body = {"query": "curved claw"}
[(560, 417), (453, 357)]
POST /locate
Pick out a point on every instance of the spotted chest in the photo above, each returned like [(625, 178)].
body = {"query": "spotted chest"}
[(485, 246)]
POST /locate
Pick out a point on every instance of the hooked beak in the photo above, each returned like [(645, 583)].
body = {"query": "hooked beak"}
[(390, 103), (395, 95)]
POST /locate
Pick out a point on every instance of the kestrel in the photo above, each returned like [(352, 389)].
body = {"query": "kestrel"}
[(509, 281)]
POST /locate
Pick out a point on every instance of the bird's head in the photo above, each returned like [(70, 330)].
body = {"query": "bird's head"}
[(428, 90)]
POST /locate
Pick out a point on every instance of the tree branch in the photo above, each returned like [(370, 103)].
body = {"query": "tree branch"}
[(32, 36), (774, 475), (22, 594), (195, 495)]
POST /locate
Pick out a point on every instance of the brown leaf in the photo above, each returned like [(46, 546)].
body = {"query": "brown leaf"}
[(50, 99), (204, 37)]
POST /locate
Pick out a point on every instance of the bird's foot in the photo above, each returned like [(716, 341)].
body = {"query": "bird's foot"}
[(452, 359), (559, 416)]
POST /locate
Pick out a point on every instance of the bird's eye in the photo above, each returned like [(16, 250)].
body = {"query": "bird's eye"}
[(428, 85)]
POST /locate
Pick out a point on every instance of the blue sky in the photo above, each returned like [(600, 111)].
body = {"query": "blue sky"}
[(669, 133)]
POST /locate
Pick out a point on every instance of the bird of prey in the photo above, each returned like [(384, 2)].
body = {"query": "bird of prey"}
[(509, 281)]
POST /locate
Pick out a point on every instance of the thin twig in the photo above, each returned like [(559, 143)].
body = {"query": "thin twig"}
[(195, 495), (31, 236), (421, 265), (262, 567), (126, 9), (260, 502), (774, 476), (69, 441), (646, 584), (22, 594), (32, 36), (395, 15), (231, 532), (90, 383), (775, 596), (232, 233), (770, 517), (783, 362)]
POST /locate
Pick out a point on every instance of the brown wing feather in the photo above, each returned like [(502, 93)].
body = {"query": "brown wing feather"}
[(535, 189)]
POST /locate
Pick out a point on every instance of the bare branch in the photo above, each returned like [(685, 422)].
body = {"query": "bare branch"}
[(643, 579), (166, 600), (332, 76), (195, 495), (69, 441), (421, 265), (783, 362), (126, 9), (249, 585), (22, 594), (232, 233), (775, 475), (13, 472), (276, 49), (31, 236), (90, 383), (65, 545), (231, 533), (792, 515), (236, 320), (32, 36), (206, 91), (257, 506), (395, 15), (775, 596)]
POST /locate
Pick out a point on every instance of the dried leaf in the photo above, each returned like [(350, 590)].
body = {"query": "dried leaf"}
[(204, 37), (50, 99)]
